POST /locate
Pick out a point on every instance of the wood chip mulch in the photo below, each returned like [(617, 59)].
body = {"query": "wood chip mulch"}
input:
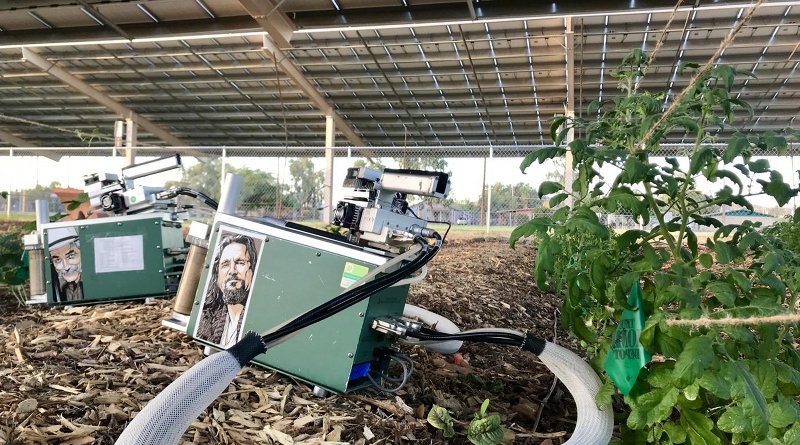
[(77, 375)]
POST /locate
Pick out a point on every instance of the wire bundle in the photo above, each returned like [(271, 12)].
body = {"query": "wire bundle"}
[(486, 335), (408, 368)]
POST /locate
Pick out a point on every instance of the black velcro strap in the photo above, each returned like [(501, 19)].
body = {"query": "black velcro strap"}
[(533, 343), (247, 348)]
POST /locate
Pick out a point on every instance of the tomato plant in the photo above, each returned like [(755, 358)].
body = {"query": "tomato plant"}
[(720, 313)]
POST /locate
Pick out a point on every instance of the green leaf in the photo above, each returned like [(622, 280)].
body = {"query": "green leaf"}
[(759, 414), (628, 239), (548, 187), (765, 377), (623, 197), (540, 156), (440, 419), (532, 227), (698, 428), (634, 171), (485, 431), (584, 224), (652, 407), (783, 413), (605, 395), (675, 432), (726, 252), (706, 260), (719, 382), (558, 121), (787, 374), (699, 160), (740, 279), (558, 199), (736, 145), (772, 141), (733, 420), (695, 358), (759, 166), (792, 437), (772, 262), (724, 292), (777, 188)]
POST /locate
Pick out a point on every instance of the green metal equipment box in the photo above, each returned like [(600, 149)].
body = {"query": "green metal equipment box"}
[(258, 275), (114, 258)]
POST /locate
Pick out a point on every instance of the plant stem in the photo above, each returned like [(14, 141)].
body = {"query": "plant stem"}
[(660, 217), (681, 198)]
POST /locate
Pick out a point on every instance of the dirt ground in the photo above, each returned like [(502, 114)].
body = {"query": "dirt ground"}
[(77, 375)]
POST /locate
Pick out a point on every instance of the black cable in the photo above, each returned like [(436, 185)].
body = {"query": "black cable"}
[(433, 222), (197, 195), (486, 337), (353, 296)]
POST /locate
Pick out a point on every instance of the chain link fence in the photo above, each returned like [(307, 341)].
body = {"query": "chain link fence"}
[(488, 194)]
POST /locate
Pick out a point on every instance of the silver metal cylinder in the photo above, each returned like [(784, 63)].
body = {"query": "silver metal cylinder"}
[(190, 279), (229, 197), (42, 214), (36, 270)]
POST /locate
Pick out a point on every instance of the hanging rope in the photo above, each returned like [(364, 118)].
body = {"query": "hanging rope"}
[(708, 322), (661, 39), (722, 46)]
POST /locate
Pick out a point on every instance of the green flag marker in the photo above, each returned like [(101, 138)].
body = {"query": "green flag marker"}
[(627, 356)]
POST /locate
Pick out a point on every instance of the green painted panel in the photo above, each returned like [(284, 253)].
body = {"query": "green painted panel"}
[(292, 278), (119, 259)]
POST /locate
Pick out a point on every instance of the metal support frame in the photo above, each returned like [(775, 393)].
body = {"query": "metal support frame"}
[(10, 179), (291, 70), (330, 142), (100, 97), (130, 141), (569, 42), (16, 141), (273, 20)]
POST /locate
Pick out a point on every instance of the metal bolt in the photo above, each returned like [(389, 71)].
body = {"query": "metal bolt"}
[(319, 254), (360, 314), (160, 271), (197, 302), (119, 223), (155, 222), (350, 354), (83, 227), (46, 282), (158, 247)]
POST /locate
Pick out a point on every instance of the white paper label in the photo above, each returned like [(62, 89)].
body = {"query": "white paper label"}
[(119, 253)]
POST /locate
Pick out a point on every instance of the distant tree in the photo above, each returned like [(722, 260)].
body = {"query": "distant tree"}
[(513, 197), (307, 184), (259, 188), (374, 164), (203, 176)]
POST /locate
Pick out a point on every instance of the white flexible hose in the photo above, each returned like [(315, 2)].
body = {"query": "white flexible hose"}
[(165, 418), (594, 427), (437, 322)]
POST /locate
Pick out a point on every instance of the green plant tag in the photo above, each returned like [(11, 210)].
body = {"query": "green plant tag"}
[(627, 355)]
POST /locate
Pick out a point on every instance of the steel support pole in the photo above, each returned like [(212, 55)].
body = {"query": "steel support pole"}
[(488, 182), (569, 41), (130, 141), (223, 167), (10, 179), (330, 141)]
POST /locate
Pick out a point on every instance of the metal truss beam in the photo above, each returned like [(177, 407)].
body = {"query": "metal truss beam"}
[(272, 19), (297, 77), (16, 141), (100, 97)]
